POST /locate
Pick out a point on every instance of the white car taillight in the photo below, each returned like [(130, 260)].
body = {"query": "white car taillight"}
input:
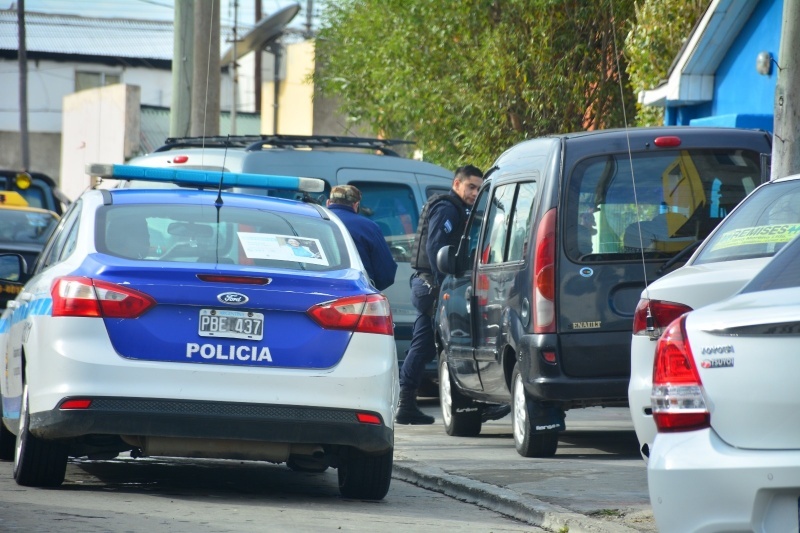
[(677, 397), (661, 314)]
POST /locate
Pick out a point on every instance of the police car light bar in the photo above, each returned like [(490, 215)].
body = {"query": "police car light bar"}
[(203, 178)]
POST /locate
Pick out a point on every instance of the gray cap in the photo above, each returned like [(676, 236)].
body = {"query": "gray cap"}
[(347, 193)]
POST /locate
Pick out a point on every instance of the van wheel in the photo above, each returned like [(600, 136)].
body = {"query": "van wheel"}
[(37, 462), (365, 476), (528, 442), (461, 415)]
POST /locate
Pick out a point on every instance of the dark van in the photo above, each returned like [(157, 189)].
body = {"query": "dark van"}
[(567, 230)]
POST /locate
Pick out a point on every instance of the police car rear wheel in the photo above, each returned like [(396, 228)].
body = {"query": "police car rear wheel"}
[(461, 415), (37, 462), (528, 442), (365, 476)]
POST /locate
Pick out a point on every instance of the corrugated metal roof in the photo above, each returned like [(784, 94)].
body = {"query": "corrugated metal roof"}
[(103, 37)]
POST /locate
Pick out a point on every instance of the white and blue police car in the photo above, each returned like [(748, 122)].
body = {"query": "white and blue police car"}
[(196, 322)]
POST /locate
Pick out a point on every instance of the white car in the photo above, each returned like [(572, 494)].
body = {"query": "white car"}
[(195, 322), (731, 255), (726, 402)]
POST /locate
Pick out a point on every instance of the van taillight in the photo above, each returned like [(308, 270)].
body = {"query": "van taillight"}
[(662, 314), (667, 141), (544, 275)]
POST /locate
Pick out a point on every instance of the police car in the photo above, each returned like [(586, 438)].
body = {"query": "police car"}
[(196, 322)]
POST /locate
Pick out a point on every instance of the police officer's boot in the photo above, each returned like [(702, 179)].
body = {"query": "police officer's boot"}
[(408, 412)]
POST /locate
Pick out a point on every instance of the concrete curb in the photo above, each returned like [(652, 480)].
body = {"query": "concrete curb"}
[(504, 501)]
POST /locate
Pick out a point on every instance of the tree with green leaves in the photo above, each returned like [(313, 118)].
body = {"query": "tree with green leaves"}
[(467, 80), (658, 31)]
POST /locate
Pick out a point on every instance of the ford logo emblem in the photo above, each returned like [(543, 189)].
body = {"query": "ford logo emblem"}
[(232, 298)]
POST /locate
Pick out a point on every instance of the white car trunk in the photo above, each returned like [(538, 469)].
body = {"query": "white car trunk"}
[(748, 359)]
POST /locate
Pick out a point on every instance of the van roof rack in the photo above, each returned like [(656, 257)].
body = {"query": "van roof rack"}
[(259, 142)]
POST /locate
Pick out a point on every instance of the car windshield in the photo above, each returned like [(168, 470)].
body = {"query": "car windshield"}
[(782, 272), (198, 234), (762, 225), (30, 227)]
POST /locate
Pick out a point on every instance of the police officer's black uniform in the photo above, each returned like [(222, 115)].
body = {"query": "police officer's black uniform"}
[(442, 223)]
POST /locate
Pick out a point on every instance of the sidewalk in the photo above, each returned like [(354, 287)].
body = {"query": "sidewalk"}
[(596, 482)]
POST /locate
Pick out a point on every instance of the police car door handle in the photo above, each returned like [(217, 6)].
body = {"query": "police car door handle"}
[(12, 304), (24, 297), (468, 298)]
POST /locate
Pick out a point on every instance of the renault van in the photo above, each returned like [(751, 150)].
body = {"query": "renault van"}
[(538, 304)]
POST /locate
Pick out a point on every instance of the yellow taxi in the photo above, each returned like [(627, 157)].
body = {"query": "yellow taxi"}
[(23, 230)]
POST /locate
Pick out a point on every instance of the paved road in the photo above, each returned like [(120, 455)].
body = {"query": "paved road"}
[(596, 482), (207, 496)]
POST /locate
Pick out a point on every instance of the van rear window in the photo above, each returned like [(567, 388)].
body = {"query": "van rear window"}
[(653, 204)]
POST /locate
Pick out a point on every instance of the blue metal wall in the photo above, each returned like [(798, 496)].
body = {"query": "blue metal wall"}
[(743, 97)]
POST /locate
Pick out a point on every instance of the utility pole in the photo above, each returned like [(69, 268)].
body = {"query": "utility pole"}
[(309, 19), (206, 72), (23, 88), (785, 147), (275, 48), (258, 54), (182, 63), (235, 67)]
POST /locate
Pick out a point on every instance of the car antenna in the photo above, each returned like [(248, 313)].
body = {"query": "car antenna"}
[(218, 201), (650, 325)]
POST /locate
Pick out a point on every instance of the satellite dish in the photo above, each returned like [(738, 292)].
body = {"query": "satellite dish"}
[(265, 32)]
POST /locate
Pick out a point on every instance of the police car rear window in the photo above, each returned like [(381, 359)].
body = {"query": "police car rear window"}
[(238, 236)]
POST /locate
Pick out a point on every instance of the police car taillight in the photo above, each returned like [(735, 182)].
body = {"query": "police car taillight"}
[(365, 314), (369, 418), (76, 403), (86, 297), (677, 398)]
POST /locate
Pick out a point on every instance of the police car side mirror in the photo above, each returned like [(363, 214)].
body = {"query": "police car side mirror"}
[(13, 268), (446, 260)]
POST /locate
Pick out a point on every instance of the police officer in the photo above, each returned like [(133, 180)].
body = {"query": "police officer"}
[(442, 222), (375, 253)]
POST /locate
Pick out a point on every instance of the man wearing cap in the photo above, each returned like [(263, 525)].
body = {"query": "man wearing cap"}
[(375, 254)]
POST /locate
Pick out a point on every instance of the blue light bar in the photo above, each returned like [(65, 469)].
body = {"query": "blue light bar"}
[(204, 178)]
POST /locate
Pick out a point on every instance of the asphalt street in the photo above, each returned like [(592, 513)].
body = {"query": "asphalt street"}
[(597, 482)]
